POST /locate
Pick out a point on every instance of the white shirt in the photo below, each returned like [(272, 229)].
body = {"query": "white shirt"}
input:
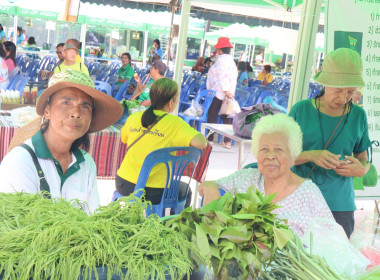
[(18, 173), (222, 76), (299, 208)]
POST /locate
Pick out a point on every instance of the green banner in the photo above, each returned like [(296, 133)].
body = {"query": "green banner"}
[(346, 39), (37, 14), (158, 28), (112, 22), (9, 10)]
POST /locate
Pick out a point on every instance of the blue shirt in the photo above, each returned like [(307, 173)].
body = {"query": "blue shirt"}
[(19, 39), (2, 34), (242, 76), (350, 137), (159, 52)]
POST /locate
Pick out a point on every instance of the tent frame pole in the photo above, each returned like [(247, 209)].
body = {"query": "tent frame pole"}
[(146, 34)]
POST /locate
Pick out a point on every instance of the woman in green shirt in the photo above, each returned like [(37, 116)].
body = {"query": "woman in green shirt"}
[(125, 72), (335, 134)]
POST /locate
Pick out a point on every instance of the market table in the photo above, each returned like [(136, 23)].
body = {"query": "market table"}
[(106, 147), (227, 131)]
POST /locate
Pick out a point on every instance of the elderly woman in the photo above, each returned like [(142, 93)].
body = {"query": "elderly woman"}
[(51, 158), (335, 134), (276, 143)]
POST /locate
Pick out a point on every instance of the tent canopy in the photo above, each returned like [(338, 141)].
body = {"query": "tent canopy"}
[(32, 9)]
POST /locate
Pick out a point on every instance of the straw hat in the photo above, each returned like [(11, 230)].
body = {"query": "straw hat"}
[(341, 68), (107, 109), (223, 42)]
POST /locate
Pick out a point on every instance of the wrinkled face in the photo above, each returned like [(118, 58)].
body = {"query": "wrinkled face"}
[(124, 60), (273, 158), (69, 113), (70, 54), (337, 98), (59, 51), (155, 45)]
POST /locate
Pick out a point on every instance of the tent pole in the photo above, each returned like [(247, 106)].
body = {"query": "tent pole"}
[(146, 33), (252, 54), (15, 22), (319, 60), (83, 39), (307, 34), (181, 47), (111, 42), (57, 34)]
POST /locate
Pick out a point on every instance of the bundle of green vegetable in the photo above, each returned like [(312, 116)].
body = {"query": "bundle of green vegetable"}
[(51, 239), (132, 105), (243, 238), (239, 234)]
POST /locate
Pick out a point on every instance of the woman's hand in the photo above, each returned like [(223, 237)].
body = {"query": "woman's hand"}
[(324, 159), (354, 169), (210, 191), (228, 94), (137, 79)]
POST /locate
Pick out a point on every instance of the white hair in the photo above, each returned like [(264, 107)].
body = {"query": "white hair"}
[(278, 123)]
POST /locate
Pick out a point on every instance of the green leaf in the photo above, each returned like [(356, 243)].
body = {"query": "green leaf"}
[(268, 198), (235, 235), (282, 236), (202, 241), (224, 218), (244, 216), (215, 251)]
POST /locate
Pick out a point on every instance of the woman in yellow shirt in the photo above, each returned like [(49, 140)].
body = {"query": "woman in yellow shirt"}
[(170, 131), (265, 75)]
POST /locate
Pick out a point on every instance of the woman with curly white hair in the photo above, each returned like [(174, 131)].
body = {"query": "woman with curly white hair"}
[(276, 143)]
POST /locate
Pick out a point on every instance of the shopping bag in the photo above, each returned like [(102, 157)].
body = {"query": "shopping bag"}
[(230, 107)]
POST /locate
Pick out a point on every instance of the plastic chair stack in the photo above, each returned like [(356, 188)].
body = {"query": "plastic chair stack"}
[(103, 86)]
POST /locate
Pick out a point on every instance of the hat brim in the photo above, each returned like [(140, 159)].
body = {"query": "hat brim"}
[(223, 45), (339, 80), (25, 132), (107, 109)]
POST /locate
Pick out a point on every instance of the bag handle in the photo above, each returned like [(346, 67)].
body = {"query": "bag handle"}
[(375, 143), (145, 132), (44, 186)]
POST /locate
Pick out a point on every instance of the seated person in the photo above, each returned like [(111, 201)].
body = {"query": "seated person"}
[(250, 72), (276, 143), (4, 81), (199, 66), (242, 70), (265, 75), (207, 64), (70, 52), (31, 43), (173, 132), (142, 92), (71, 108), (125, 72)]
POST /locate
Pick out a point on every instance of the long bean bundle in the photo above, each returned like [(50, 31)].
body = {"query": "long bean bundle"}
[(51, 239)]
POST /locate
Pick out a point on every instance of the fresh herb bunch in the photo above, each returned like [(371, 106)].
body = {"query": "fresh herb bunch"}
[(239, 234), (130, 104), (52, 239)]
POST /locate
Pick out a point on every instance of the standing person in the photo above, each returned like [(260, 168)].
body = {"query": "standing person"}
[(125, 72), (172, 131), (59, 51), (70, 52), (265, 75), (242, 70), (3, 36), (70, 108), (333, 130), (259, 58), (10, 51), (143, 93), (222, 77), (20, 40), (157, 52)]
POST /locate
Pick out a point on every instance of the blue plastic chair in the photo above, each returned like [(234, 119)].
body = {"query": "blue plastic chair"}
[(22, 83), (204, 98), (264, 95), (103, 86), (175, 166), (15, 80), (121, 93)]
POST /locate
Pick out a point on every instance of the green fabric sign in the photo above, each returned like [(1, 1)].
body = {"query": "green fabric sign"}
[(346, 39), (9, 10), (112, 22), (37, 14)]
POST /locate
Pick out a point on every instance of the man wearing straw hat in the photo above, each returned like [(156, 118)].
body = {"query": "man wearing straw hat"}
[(45, 155)]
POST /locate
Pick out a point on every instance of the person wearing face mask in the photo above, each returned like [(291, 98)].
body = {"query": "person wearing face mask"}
[(276, 143), (70, 52), (335, 134)]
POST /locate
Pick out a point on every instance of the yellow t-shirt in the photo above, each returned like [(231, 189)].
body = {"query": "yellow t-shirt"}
[(81, 67), (170, 131), (78, 58), (261, 77)]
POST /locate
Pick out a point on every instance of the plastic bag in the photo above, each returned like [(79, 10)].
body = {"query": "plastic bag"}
[(230, 107), (195, 110), (23, 115), (328, 240), (366, 238)]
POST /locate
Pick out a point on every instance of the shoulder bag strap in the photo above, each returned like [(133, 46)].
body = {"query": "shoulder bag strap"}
[(145, 132), (44, 186), (327, 143)]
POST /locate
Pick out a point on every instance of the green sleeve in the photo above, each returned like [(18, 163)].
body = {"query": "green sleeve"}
[(130, 73)]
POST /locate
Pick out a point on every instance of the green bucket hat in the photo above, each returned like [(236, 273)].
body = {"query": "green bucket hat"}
[(107, 109), (342, 67)]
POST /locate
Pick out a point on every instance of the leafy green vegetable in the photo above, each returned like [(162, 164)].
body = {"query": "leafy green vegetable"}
[(51, 239), (241, 232)]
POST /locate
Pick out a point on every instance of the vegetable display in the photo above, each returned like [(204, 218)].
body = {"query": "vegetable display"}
[(51, 239)]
